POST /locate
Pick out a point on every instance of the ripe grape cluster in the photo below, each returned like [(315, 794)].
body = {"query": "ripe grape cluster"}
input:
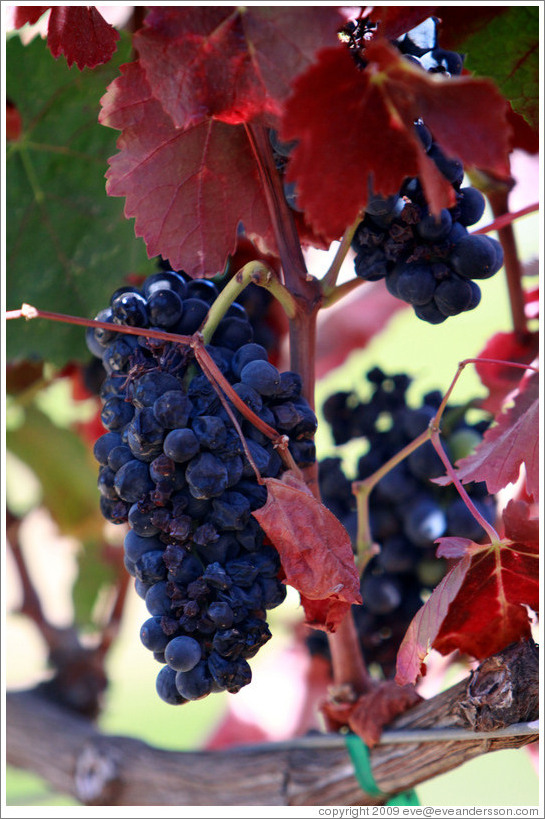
[(173, 466), (429, 261), (407, 511)]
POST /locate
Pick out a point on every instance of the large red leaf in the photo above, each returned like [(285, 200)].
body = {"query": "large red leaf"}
[(357, 128), (79, 32), (512, 441), (480, 605), (82, 35), (500, 379), (230, 63), (315, 551), (458, 22), (28, 14), (187, 189), (393, 21)]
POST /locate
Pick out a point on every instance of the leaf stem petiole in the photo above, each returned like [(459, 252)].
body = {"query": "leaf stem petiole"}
[(329, 281), (365, 548), (255, 272)]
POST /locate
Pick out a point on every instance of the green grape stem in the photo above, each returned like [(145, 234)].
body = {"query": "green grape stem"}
[(365, 547), (255, 272), (329, 281)]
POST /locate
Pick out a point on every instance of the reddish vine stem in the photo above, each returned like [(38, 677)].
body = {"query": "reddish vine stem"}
[(349, 668), (30, 606), (285, 231), (236, 425), (362, 489), (463, 364), (513, 268), (347, 659), (217, 379), (206, 362), (488, 528), (507, 219)]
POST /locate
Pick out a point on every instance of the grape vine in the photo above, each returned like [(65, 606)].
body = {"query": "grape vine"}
[(247, 137)]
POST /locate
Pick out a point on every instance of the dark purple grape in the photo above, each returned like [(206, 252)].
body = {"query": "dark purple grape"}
[(183, 653), (166, 687)]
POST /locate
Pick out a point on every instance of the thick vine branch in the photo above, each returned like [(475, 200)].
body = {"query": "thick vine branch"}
[(106, 770)]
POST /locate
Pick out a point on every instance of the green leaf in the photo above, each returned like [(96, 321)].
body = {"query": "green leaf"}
[(66, 471), (68, 244), (94, 574), (507, 49), (68, 476)]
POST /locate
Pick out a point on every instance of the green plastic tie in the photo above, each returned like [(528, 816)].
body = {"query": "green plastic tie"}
[(361, 760)]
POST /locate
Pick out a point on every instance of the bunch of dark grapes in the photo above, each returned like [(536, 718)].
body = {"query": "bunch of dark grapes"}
[(429, 261), (173, 466), (407, 511)]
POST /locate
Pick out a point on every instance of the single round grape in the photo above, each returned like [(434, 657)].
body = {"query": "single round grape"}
[(181, 445), (130, 308), (136, 545), (165, 308), (104, 445), (158, 601), (172, 409), (475, 257), (116, 413), (166, 280), (194, 684), (206, 476), (152, 635), (245, 354), (183, 653), (202, 289), (415, 283), (471, 205), (194, 313), (166, 687)]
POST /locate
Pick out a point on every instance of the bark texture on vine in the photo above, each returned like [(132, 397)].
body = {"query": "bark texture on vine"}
[(109, 770)]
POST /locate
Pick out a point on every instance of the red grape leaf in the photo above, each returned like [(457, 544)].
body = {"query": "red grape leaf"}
[(519, 526), (351, 323), (28, 14), (512, 441), (230, 63), (500, 379), (504, 46), (79, 32), (82, 34), (460, 22), (315, 550), (479, 606), (362, 122), (187, 189), (524, 136), (397, 20)]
